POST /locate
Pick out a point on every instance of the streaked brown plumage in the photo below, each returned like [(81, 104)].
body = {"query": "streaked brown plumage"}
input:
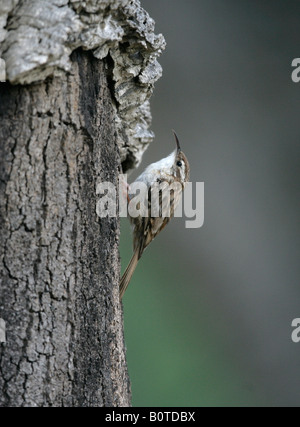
[(173, 170)]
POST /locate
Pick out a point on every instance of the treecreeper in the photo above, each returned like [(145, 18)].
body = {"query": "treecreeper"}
[(164, 181)]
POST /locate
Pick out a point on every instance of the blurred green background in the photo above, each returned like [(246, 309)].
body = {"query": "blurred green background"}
[(208, 312)]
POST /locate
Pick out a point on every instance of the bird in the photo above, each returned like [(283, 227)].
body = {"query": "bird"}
[(170, 176)]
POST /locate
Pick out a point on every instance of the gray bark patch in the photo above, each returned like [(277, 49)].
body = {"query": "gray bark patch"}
[(37, 38)]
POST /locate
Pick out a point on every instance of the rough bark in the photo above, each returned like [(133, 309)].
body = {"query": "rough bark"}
[(59, 262), (37, 38), (74, 108)]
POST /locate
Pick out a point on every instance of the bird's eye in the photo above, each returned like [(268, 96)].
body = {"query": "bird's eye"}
[(179, 163)]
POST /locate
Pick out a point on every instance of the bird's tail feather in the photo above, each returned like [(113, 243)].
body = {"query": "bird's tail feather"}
[(124, 282)]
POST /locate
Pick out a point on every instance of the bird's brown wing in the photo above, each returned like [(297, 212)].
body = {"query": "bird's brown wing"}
[(159, 204), (146, 228)]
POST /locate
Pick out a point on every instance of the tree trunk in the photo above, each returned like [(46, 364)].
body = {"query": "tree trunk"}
[(59, 261), (74, 108)]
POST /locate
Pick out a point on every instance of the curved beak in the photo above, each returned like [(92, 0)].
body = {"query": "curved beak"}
[(177, 142)]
